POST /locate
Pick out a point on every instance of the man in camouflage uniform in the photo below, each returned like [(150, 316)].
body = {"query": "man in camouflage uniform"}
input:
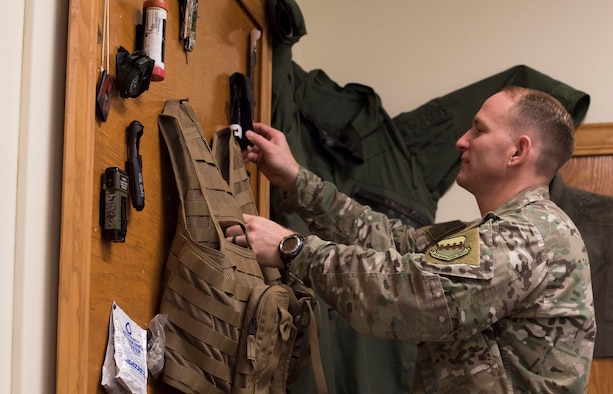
[(499, 305)]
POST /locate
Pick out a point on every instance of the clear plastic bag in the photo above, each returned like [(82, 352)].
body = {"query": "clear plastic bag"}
[(155, 345)]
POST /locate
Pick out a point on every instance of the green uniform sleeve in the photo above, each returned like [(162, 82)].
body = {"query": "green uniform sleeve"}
[(334, 216)]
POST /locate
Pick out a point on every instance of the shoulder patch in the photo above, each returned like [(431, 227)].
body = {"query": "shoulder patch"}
[(462, 248)]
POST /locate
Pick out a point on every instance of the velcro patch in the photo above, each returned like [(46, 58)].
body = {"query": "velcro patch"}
[(460, 248)]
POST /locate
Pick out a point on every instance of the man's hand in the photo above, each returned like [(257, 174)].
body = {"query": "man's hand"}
[(271, 153), (264, 237)]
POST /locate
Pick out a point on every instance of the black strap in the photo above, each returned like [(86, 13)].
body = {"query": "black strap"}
[(442, 230)]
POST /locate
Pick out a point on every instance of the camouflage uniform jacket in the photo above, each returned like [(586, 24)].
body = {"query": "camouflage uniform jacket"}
[(502, 305)]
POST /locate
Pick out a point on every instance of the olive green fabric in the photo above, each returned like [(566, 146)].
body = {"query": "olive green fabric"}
[(431, 130), (593, 215)]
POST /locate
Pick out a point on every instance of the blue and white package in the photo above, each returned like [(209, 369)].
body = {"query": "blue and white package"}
[(125, 362)]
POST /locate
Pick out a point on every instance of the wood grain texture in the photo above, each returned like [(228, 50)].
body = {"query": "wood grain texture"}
[(591, 173), (77, 192), (95, 272), (594, 139)]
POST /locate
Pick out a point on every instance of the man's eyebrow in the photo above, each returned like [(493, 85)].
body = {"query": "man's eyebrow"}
[(479, 122)]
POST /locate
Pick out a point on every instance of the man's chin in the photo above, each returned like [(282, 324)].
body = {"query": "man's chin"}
[(462, 183), (459, 179)]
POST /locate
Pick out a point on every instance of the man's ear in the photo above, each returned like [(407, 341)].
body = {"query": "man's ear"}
[(523, 146)]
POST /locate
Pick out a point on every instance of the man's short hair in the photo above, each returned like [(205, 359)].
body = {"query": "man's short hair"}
[(549, 124)]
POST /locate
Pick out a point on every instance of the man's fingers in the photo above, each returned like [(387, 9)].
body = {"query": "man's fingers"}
[(264, 130), (248, 218), (255, 138)]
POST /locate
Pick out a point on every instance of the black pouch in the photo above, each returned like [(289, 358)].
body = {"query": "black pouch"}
[(133, 72)]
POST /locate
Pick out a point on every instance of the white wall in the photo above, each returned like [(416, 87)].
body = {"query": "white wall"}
[(32, 111), (413, 51), (408, 51), (11, 25)]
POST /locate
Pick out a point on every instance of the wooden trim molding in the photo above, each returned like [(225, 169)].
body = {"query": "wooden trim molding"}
[(594, 139), (77, 200)]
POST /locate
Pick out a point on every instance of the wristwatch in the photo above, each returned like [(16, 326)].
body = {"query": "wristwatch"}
[(290, 246)]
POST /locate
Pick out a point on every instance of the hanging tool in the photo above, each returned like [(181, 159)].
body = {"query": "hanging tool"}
[(134, 165), (242, 96), (114, 204), (134, 72), (187, 31), (241, 108)]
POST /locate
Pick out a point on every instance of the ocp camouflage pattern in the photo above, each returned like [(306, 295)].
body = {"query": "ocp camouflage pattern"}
[(502, 306)]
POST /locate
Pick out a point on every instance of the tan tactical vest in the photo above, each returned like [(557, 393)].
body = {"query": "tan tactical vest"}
[(233, 327)]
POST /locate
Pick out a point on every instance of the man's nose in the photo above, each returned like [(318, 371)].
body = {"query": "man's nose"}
[(461, 143)]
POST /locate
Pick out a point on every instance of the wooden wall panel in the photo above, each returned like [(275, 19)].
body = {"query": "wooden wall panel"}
[(95, 272)]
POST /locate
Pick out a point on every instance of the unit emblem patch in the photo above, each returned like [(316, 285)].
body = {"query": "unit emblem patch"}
[(450, 249)]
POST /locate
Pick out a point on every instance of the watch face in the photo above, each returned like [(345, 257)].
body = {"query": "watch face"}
[(290, 244), (290, 247)]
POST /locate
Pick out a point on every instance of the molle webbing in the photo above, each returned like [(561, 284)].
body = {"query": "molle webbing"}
[(208, 281), (230, 160)]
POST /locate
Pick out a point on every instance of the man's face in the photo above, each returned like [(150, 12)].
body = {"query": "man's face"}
[(487, 147)]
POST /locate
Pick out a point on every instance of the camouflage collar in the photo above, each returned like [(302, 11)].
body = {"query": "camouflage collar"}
[(521, 199)]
